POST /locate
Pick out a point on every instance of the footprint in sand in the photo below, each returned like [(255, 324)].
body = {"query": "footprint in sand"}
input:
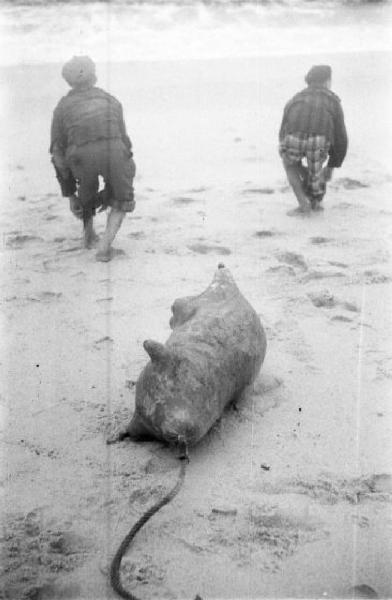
[(105, 339), (50, 295), (321, 275), (172, 250), (198, 190), (380, 483), (349, 184), (331, 489), (319, 240), (208, 249), (324, 299), (265, 233), (264, 190), (34, 550), (334, 263), (342, 319), (282, 269), (292, 258), (372, 276), (181, 200), (44, 297), (350, 306), (137, 235), (71, 249), (18, 240)]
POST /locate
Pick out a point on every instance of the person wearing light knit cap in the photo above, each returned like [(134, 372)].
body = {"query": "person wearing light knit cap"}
[(312, 128), (88, 140)]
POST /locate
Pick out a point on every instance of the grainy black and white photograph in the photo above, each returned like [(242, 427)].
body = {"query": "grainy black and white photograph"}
[(196, 292)]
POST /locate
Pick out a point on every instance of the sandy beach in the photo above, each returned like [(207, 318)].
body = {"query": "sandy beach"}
[(290, 494)]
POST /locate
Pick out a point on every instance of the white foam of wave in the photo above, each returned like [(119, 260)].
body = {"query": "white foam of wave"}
[(121, 32)]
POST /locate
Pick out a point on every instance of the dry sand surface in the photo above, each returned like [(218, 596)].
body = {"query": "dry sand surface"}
[(290, 495)]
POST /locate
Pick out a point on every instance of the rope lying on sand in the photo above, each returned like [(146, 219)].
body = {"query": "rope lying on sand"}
[(115, 578)]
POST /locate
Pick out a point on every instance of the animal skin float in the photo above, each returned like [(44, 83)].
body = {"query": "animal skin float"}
[(213, 354)]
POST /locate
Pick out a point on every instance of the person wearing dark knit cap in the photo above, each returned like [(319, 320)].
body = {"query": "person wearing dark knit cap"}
[(88, 140), (313, 129)]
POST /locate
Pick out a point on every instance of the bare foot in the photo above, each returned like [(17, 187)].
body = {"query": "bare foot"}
[(103, 256), (90, 240), (106, 255), (299, 212), (316, 204)]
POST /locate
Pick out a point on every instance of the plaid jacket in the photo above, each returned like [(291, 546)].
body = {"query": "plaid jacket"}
[(317, 111), (84, 116)]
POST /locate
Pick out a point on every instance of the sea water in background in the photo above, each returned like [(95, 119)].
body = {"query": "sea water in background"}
[(182, 106), (124, 30)]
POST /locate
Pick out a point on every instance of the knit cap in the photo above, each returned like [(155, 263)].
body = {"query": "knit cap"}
[(318, 74), (79, 71)]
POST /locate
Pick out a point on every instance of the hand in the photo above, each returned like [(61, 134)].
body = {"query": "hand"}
[(327, 173), (58, 160), (129, 206), (76, 206)]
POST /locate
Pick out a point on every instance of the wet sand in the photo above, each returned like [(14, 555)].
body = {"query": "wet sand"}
[(290, 496)]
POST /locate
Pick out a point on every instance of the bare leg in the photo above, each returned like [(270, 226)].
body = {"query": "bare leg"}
[(303, 172), (115, 218), (90, 238), (294, 173), (321, 183), (315, 202)]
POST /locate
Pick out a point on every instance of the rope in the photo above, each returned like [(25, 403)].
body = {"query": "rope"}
[(115, 578)]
